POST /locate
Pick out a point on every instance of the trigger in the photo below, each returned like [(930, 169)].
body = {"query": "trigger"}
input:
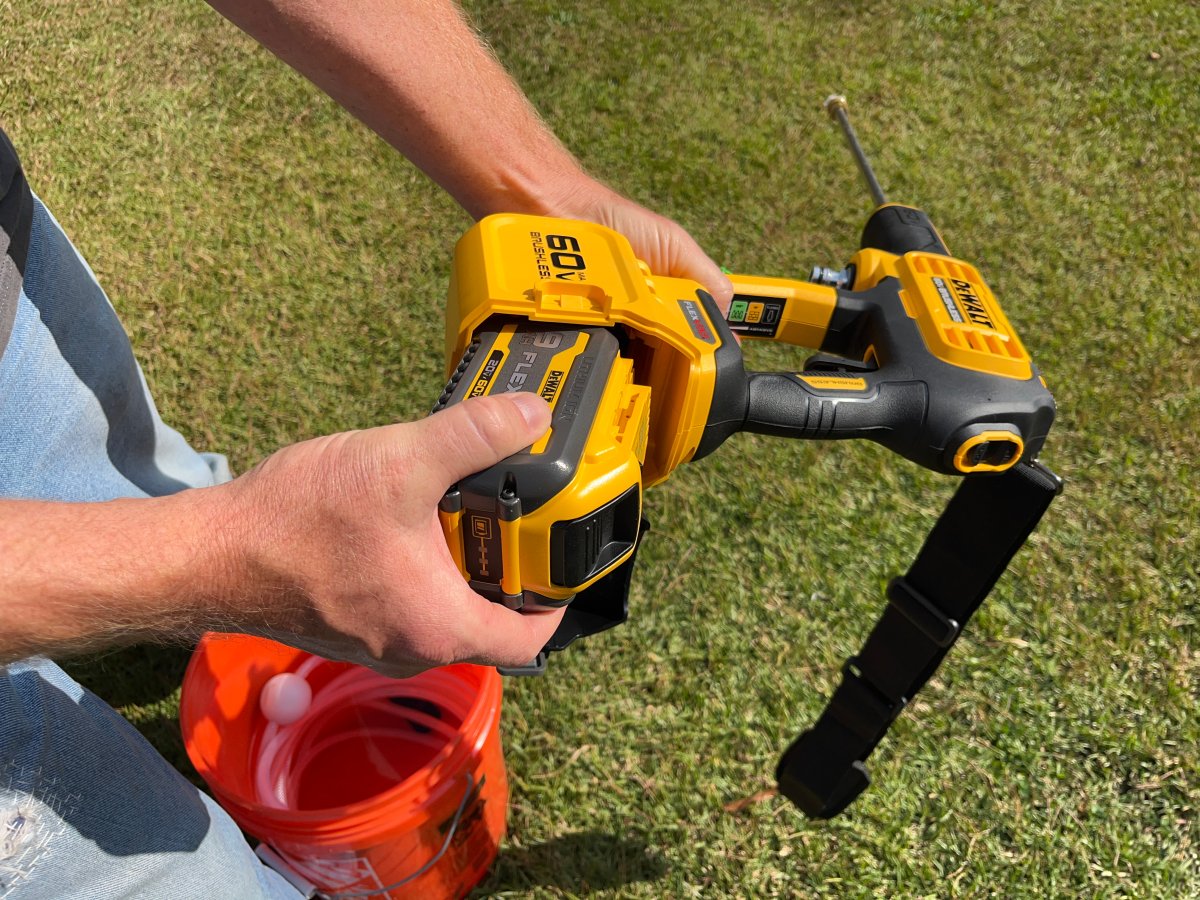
[(827, 362)]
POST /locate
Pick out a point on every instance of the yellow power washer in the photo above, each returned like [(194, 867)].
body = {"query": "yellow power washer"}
[(642, 373)]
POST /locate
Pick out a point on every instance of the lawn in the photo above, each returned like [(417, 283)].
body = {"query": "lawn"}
[(282, 274)]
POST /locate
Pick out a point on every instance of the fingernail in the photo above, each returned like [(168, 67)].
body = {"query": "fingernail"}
[(533, 409)]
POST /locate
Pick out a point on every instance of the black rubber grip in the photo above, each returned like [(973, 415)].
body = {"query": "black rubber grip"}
[(783, 404), (900, 229)]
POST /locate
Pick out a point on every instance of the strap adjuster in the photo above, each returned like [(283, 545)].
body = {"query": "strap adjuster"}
[(860, 707), (820, 771), (931, 621)]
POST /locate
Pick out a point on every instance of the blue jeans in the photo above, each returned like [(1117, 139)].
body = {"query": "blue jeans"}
[(88, 808)]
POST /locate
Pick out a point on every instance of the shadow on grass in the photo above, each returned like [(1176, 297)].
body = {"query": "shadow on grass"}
[(142, 675), (141, 682), (575, 863)]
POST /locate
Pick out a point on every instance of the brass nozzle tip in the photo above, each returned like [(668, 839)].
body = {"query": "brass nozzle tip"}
[(833, 103)]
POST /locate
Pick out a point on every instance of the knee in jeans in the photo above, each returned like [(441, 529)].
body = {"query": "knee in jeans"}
[(21, 836)]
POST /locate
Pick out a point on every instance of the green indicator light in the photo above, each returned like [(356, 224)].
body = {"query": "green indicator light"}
[(737, 311)]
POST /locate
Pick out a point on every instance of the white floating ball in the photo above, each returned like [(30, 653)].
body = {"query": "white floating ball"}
[(285, 698)]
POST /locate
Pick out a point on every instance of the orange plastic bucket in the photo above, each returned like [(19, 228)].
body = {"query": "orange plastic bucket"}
[(402, 796)]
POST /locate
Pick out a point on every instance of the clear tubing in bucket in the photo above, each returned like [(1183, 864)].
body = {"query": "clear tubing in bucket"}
[(361, 785), (382, 731)]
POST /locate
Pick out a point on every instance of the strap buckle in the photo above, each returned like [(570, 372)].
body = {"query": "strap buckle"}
[(823, 771), (804, 777)]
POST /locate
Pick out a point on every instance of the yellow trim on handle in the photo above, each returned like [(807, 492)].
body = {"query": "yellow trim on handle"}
[(834, 382)]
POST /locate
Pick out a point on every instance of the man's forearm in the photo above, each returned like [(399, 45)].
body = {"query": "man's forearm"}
[(416, 73), (78, 576), (332, 545)]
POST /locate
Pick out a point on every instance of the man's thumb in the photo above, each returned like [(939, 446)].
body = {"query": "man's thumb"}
[(472, 435), (696, 264)]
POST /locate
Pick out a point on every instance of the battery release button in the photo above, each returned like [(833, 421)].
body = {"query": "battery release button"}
[(585, 547)]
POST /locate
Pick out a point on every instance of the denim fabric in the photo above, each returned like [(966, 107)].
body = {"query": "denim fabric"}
[(76, 419), (88, 809)]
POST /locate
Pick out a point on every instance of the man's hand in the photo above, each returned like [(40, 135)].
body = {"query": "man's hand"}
[(658, 241), (341, 552), (332, 545)]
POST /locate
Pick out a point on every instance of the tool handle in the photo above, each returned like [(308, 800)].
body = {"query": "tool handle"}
[(821, 405), (899, 229)]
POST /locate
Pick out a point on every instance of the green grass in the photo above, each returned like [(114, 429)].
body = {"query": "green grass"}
[(282, 275)]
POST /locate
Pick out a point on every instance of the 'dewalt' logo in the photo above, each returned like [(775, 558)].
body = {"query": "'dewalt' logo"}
[(964, 292), (558, 257), (960, 295), (553, 382)]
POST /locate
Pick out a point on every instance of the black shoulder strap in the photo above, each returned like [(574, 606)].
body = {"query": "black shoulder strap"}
[(983, 526)]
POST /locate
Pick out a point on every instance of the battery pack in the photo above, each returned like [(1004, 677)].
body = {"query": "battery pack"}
[(541, 525)]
